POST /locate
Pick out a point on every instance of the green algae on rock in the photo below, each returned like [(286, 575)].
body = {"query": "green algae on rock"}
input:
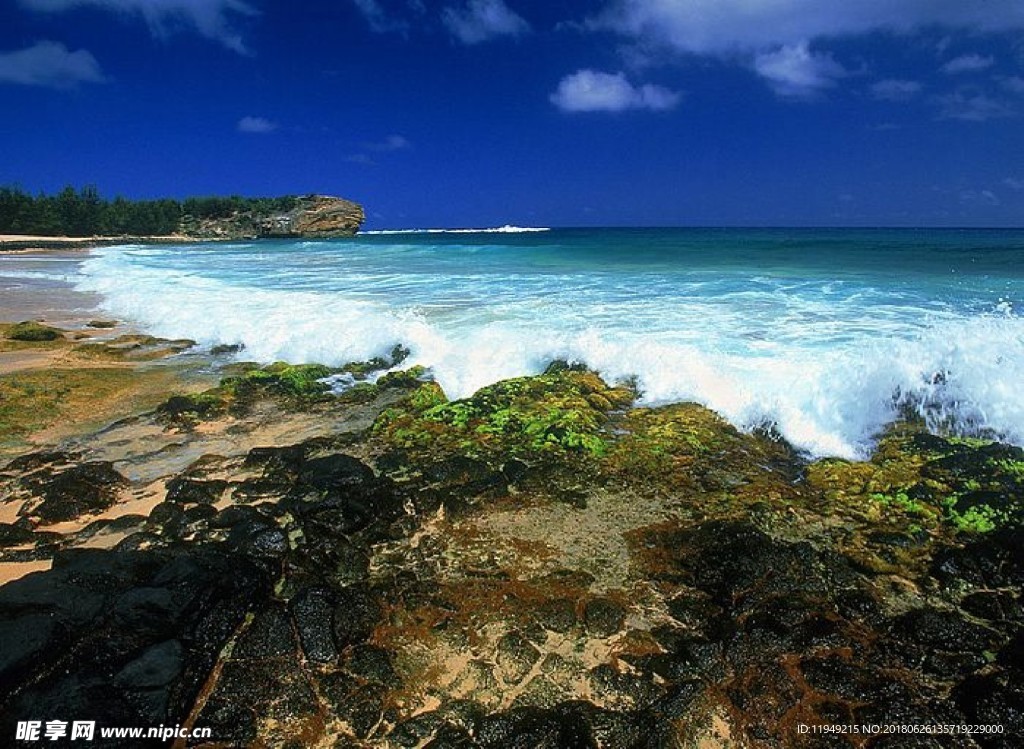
[(69, 398), (295, 386), (32, 331), (671, 443), (969, 485), (134, 347), (556, 413)]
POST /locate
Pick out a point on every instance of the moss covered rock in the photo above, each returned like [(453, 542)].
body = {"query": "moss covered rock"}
[(964, 485), (134, 347), (294, 384), (554, 414), (30, 330)]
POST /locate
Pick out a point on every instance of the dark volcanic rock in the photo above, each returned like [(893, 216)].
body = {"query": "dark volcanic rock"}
[(58, 495), (343, 602), (285, 460), (516, 656), (942, 630), (995, 560), (236, 515), (371, 664), (25, 639), (185, 490), (166, 513), (126, 638), (32, 461), (14, 535), (312, 611), (557, 614), (466, 477), (156, 667), (269, 636), (603, 616), (994, 699), (337, 495), (790, 627), (334, 473), (355, 615), (533, 728)]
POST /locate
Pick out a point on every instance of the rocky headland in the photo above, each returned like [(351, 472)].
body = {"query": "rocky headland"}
[(310, 217), (543, 564), (194, 220)]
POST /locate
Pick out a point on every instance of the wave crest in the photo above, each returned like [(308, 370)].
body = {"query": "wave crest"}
[(827, 387)]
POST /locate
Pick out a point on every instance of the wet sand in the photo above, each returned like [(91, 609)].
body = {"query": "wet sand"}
[(38, 285)]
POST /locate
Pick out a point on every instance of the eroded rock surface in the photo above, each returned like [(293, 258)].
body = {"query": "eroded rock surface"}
[(311, 216), (541, 565)]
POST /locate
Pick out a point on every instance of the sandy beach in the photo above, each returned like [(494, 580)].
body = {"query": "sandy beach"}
[(30, 243), (35, 284)]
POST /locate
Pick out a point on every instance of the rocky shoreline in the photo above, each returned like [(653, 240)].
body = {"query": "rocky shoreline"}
[(543, 564), (305, 217)]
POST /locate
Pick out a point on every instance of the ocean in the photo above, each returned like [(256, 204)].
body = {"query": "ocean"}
[(825, 335)]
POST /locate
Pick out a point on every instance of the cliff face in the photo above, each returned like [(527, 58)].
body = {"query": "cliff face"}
[(316, 216), (312, 216)]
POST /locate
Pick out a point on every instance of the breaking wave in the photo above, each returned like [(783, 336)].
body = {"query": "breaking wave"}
[(826, 362)]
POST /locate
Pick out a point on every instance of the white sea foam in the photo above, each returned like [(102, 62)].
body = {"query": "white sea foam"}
[(829, 370), (506, 229), (34, 275)]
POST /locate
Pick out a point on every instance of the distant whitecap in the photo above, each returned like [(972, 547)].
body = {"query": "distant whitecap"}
[(507, 229)]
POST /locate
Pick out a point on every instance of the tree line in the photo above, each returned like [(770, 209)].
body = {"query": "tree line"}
[(84, 213)]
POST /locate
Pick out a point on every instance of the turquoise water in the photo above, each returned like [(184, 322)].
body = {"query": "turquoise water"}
[(824, 334)]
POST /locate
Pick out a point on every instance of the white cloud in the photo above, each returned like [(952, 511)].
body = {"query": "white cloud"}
[(379, 20), (1014, 184), (972, 106), (728, 26), (1013, 83), (775, 35), (979, 197), (390, 143), (967, 64), (49, 64), (481, 20), (594, 91), (259, 125), (214, 19), (893, 89), (796, 71), (360, 158)]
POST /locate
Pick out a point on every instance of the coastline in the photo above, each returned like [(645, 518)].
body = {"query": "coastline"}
[(541, 559), (95, 371), (10, 243), (50, 298)]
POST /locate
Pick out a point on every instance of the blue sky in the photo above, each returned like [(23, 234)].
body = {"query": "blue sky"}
[(556, 113)]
